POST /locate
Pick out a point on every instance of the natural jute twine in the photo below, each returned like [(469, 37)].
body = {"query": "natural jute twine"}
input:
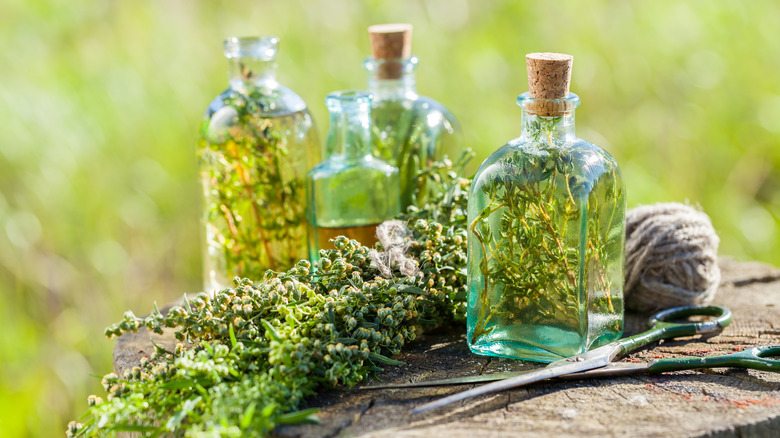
[(671, 257)]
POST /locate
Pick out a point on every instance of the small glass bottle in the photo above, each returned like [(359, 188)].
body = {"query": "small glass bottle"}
[(409, 131), (546, 233), (257, 142), (351, 192)]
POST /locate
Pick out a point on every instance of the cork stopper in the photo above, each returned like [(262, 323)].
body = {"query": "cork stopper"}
[(549, 75), (390, 43)]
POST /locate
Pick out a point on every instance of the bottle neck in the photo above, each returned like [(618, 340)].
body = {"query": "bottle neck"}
[(391, 78), (247, 73), (555, 130), (548, 120), (252, 62), (402, 88), (349, 137)]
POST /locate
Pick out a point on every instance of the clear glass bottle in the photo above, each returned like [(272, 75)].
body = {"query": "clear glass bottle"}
[(351, 192), (257, 142), (546, 241), (409, 131)]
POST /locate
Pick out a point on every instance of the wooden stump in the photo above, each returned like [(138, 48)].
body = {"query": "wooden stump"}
[(708, 403)]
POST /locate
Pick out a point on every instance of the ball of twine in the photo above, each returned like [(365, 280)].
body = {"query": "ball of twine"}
[(671, 257)]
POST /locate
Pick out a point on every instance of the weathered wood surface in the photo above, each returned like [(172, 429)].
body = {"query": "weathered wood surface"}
[(708, 403)]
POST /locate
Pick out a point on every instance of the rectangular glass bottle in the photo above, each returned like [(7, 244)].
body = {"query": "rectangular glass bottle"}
[(546, 241), (351, 192)]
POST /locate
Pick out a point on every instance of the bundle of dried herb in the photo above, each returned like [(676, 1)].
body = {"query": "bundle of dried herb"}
[(260, 348)]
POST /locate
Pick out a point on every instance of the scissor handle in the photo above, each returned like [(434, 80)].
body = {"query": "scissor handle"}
[(663, 319), (662, 326), (757, 358)]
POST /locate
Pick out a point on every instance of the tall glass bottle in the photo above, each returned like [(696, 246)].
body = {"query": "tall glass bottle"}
[(257, 138), (409, 131), (351, 192), (546, 233)]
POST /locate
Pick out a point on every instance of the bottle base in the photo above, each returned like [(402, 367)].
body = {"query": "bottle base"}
[(536, 343), (527, 342), (515, 350)]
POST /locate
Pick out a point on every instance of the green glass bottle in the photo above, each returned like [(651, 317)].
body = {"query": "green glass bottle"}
[(546, 233), (257, 142), (409, 131), (351, 192)]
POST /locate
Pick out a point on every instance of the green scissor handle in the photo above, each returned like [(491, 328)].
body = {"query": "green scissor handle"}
[(757, 358), (662, 326)]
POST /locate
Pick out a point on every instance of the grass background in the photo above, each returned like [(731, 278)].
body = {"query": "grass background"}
[(100, 103)]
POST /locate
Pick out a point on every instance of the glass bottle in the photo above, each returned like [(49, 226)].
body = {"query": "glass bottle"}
[(409, 131), (546, 234), (351, 192), (256, 141)]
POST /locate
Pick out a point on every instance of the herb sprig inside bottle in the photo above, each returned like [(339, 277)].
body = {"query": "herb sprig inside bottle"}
[(546, 233)]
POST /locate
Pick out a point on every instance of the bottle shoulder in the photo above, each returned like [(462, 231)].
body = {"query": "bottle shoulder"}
[(429, 104), (577, 148), (368, 167), (279, 114), (523, 160), (279, 101), (423, 107)]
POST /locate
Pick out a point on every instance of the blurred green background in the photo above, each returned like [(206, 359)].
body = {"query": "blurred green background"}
[(100, 103)]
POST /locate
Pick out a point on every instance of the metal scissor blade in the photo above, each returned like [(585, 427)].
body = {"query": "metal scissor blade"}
[(597, 358), (482, 378), (612, 369)]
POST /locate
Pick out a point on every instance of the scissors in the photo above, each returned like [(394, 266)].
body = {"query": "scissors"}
[(597, 362)]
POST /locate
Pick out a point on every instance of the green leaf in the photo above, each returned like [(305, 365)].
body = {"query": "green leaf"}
[(271, 330), (206, 346), (268, 410), (246, 418), (305, 416), (232, 336), (159, 347), (187, 304), (412, 290), (179, 415), (376, 357)]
